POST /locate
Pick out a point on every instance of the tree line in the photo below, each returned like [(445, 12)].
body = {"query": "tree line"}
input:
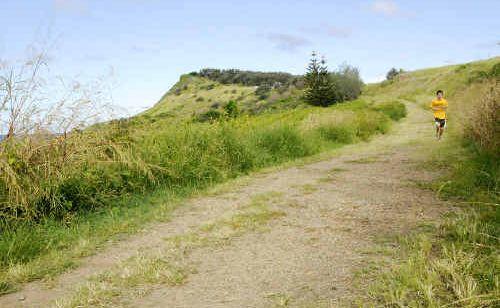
[(247, 78)]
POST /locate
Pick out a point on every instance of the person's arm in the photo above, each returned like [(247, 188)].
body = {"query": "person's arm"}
[(435, 108), (445, 106)]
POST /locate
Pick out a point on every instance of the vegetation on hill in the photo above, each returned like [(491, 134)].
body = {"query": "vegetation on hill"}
[(202, 95), (247, 78), (393, 73)]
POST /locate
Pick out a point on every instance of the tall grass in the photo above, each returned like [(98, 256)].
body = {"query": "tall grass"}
[(49, 176)]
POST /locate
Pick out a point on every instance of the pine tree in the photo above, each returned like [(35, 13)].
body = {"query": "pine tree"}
[(320, 90)]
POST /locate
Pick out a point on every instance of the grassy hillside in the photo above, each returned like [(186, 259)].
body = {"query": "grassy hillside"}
[(194, 95)]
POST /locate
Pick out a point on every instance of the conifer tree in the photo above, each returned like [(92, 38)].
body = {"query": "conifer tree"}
[(320, 89)]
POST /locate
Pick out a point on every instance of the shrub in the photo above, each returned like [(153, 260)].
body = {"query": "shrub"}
[(210, 115), (394, 110), (283, 142), (393, 73), (347, 82), (338, 133), (247, 78), (263, 91), (368, 123), (231, 109)]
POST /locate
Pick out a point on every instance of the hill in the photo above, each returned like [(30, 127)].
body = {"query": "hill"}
[(193, 95)]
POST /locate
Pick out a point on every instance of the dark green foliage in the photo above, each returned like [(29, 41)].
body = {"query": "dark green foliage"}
[(335, 133), (348, 82), (319, 87), (495, 70), (395, 110), (393, 73), (284, 141), (200, 99), (210, 115), (263, 91), (247, 78), (493, 73), (231, 109)]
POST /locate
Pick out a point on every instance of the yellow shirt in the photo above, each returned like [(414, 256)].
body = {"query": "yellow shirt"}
[(442, 104)]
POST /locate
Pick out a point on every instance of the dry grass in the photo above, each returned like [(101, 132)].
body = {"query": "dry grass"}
[(34, 168), (481, 114)]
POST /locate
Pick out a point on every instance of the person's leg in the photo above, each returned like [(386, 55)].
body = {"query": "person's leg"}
[(437, 128), (441, 128)]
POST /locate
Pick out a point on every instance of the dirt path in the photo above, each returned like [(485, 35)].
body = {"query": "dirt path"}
[(301, 248)]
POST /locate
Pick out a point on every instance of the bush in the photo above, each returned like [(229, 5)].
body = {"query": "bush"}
[(247, 78), (393, 73), (231, 109), (210, 115), (394, 110), (338, 133), (347, 82), (283, 142), (263, 91)]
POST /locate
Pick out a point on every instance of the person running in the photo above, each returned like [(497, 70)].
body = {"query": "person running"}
[(439, 106)]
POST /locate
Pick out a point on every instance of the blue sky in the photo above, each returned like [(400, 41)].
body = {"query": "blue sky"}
[(147, 44)]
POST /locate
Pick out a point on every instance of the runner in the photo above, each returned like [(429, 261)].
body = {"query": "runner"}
[(439, 106)]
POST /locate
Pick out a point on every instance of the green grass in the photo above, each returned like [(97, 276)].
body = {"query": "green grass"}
[(395, 110)]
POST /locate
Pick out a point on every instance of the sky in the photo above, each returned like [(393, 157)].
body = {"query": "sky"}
[(144, 46)]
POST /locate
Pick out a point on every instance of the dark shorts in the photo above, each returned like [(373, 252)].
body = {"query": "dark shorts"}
[(440, 122)]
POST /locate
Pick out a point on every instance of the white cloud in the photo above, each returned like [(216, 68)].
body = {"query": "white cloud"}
[(287, 42), (385, 7), (338, 32), (328, 30), (73, 6)]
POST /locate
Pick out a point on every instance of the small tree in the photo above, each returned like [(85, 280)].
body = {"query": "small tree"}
[(262, 91), (319, 88), (393, 73), (231, 109)]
